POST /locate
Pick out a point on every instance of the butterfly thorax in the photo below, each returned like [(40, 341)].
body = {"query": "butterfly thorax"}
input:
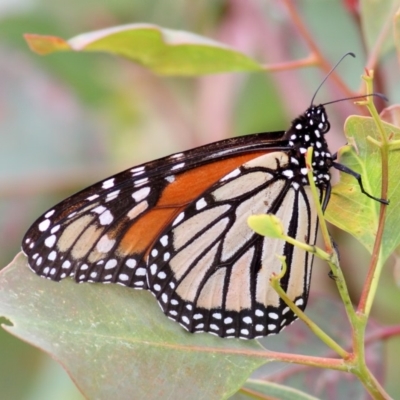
[(308, 130)]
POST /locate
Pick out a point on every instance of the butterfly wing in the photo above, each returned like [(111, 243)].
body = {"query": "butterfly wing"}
[(210, 271), (177, 226), (104, 232)]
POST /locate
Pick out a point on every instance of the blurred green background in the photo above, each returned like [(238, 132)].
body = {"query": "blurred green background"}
[(68, 120)]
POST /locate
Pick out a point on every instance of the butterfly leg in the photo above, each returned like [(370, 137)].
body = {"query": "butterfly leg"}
[(346, 170)]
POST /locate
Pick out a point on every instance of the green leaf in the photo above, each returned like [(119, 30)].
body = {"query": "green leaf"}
[(115, 342), (165, 51), (266, 225), (377, 24), (273, 390), (353, 211)]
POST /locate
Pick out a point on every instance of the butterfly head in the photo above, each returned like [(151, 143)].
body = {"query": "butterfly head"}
[(317, 118)]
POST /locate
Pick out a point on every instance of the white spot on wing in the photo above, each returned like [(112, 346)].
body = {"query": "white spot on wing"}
[(44, 225), (104, 245), (288, 173), (162, 275), (247, 320), (49, 242), (153, 268), (178, 219), (140, 272), (92, 197), (131, 263), (259, 328), (49, 213), (137, 169), (140, 182), (177, 155), (99, 209), (177, 166), (55, 229), (154, 253), (110, 264), (304, 171), (109, 183), (232, 174), (201, 204), (164, 240), (299, 302), (106, 218), (141, 194), (112, 195)]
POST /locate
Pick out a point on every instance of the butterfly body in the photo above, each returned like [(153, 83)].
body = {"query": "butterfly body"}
[(177, 227)]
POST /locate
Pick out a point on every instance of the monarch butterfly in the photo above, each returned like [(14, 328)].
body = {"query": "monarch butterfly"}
[(177, 227)]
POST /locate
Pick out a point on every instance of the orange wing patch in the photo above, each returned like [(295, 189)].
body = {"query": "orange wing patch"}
[(143, 232), (191, 184), (185, 188)]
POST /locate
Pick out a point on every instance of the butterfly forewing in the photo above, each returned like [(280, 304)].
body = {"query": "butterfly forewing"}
[(177, 226), (102, 234)]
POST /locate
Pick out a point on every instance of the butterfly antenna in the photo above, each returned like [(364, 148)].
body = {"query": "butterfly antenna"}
[(329, 73), (380, 95)]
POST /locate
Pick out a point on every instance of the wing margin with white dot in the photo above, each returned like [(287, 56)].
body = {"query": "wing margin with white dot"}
[(65, 241)]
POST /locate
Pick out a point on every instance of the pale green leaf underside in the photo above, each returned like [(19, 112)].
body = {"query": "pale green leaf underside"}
[(274, 390), (115, 342), (351, 210), (164, 51)]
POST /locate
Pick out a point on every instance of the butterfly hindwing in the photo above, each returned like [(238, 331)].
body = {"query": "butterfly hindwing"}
[(210, 271)]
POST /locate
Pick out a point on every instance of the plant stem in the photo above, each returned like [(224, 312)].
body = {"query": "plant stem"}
[(333, 260), (375, 266)]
